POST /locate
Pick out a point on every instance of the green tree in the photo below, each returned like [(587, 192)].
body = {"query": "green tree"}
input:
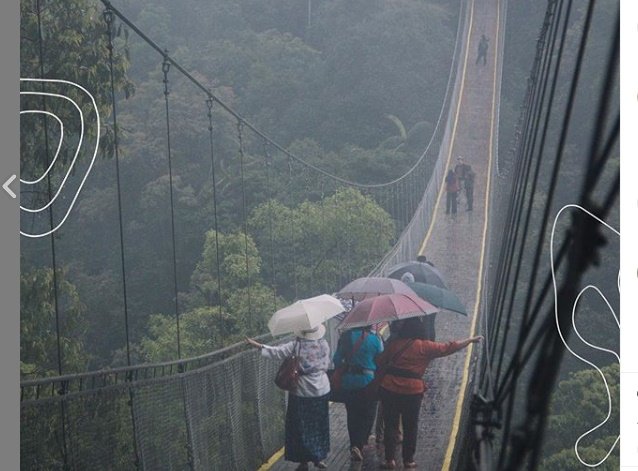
[(199, 329), (580, 403), (73, 48), (566, 460), (38, 338), (382, 58), (246, 304), (232, 266), (318, 245)]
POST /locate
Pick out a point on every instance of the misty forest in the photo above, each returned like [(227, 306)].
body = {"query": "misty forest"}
[(354, 88)]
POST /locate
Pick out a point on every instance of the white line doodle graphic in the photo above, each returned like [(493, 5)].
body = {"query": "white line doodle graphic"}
[(57, 152), (79, 145), (75, 156), (596, 347)]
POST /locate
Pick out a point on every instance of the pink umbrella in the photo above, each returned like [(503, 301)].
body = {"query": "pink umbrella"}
[(384, 308)]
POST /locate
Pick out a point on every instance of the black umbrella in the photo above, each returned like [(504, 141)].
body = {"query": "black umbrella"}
[(367, 287), (422, 272)]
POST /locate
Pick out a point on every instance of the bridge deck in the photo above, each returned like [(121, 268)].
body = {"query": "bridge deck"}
[(455, 245)]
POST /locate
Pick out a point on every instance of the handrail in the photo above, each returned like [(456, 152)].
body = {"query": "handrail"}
[(130, 373)]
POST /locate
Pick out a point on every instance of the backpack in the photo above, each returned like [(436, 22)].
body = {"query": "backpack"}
[(287, 377)]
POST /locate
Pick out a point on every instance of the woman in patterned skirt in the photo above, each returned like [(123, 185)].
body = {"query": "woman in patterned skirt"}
[(307, 419)]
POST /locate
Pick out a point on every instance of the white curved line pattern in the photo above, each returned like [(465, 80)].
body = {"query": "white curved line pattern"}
[(57, 152), (596, 347), (88, 171), (560, 333), (75, 156), (611, 309)]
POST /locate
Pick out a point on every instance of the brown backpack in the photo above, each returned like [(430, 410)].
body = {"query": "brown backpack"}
[(287, 377)]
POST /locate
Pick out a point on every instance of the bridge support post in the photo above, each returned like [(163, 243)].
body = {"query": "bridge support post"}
[(131, 397), (189, 435)]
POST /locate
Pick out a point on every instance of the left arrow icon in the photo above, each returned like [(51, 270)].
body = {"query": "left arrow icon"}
[(6, 186)]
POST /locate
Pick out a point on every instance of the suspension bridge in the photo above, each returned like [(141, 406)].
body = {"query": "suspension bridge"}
[(222, 410)]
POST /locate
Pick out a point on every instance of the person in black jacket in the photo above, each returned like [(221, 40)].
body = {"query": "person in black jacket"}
[(469, 187), (482, 49)]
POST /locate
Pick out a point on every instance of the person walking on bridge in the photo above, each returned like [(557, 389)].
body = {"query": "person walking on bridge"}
[(405, 361), (460, 170), (452, 189), (356, 351), (482, 49), (307, 416), (469, 187)]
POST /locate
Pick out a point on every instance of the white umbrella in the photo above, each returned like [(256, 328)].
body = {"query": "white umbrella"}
[(304, 314)]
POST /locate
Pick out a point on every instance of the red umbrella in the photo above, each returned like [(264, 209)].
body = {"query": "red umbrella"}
[(387, 307)]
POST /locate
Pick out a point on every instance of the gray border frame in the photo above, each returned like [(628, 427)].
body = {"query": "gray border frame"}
[(9, 235)]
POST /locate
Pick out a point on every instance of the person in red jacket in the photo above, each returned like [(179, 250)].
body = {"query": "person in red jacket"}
[(405, 360), (452, 188)]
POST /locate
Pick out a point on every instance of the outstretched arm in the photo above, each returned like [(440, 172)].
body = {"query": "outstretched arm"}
[(438, 349), (466, 342), (254, 343), (278, 352)]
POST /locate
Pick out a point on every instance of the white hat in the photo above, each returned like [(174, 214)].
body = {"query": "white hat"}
[(312, 334), (407, 277)]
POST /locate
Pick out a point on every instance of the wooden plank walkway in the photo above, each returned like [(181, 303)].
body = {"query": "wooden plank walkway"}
[(455, 244)]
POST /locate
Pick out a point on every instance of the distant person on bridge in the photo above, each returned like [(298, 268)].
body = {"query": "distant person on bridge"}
[(402, 387), (424, 259), (469, 187), (460, 169), (482, 49), (356, 351), (307, 415), (452, 188)]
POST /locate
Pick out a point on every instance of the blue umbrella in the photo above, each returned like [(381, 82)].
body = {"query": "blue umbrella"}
[(441, 298)]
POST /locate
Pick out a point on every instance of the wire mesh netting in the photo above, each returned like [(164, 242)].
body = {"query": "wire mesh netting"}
[(103, 418), (159, 410), (41, 437), (202, 419)]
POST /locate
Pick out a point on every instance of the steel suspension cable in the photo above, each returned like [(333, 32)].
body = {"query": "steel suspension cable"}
[(603, 107), (533, 108), (514, 368), (339, 277), (166, 65), (220, 298), (260, 133), (273, 278), (245, 221), (563, 138), (554, 354), (322, 203), (546, 120), (517, 186), (108, 18), (523, 333), (56, 303), (596, 160), (292, 228)]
